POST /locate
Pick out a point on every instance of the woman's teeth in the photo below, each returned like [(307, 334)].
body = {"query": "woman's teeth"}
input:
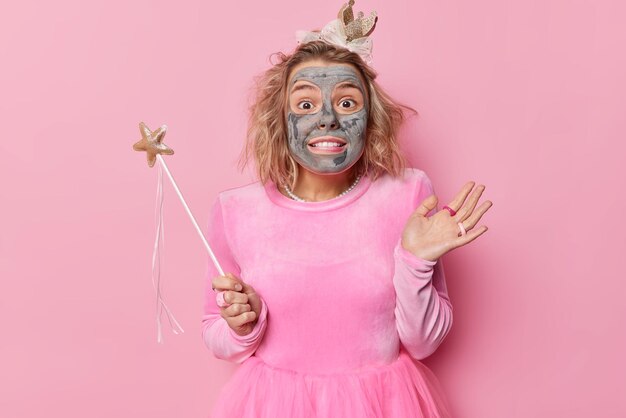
[(327, 144)]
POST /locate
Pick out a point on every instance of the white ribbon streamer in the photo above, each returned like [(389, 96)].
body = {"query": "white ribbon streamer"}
[(157, 254), (156, 263)]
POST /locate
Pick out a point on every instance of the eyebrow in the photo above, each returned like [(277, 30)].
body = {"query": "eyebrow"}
[(344, 85), (349, 85), (302, 87)]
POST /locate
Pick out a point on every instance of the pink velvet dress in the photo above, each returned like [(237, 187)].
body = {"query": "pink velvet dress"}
[(347, 311)]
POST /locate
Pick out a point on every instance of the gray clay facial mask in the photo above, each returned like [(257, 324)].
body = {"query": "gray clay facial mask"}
[(322, 106)]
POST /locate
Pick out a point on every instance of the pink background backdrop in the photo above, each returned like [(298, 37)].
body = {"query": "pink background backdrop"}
[(527, 98)]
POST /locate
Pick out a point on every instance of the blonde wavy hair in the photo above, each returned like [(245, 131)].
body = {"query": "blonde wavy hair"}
[(267, 127)]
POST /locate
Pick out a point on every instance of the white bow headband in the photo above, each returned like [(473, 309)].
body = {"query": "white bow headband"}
[(346, 32)]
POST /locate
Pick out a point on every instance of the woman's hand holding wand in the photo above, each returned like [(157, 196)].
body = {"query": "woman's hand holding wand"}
[(431, 237), (239, 304)]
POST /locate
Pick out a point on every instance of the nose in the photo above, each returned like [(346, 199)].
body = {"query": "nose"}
[(328, 121), (331, 125)]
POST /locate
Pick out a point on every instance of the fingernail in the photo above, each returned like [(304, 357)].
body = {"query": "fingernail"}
[(238, 287)]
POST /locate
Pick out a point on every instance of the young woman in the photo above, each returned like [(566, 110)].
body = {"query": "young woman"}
[(335, 286)]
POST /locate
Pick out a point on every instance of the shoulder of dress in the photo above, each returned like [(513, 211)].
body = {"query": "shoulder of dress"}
[(415, 173), (249, 192), (409, 179)]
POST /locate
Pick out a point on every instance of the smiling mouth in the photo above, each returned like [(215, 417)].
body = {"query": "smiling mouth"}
[(326, 145)]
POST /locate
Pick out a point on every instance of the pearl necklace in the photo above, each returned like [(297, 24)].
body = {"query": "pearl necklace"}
[(294, 197)]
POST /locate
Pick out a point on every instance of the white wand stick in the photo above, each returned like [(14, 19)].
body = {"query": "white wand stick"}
[(193, 219)]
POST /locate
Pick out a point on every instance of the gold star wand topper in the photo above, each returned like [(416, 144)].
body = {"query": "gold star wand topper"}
[(152, 143)]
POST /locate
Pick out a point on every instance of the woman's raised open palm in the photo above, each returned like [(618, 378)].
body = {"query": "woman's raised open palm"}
[(431, 237)]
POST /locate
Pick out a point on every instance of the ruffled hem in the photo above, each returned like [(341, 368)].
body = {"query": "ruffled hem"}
[(404, 388)]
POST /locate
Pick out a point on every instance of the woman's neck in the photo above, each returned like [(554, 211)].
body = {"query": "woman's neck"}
[(314, 187)]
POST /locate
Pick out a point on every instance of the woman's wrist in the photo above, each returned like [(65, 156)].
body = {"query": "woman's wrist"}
[(412, 260), (417, 252)]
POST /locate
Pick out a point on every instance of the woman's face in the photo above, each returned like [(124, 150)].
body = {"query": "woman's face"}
[(327, 106)]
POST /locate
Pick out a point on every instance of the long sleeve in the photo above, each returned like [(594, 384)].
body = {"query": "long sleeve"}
[(423, 309), (223, 342)]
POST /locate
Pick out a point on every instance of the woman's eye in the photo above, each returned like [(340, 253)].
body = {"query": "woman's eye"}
[(347, 104), (305, 105)]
